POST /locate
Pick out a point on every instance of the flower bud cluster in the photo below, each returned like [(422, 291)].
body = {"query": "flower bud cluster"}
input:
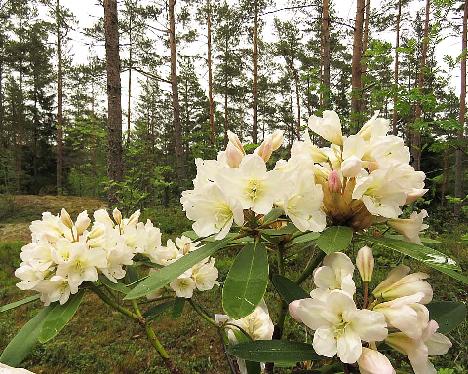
[(397, 315)]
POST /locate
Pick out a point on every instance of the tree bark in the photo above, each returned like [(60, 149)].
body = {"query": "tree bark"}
[(255, 73), (179, 154), (59, 135), (415, 134), (365, 45), (210, 75), (226, 128), (326, 54), (356, 73), (461, 133), (396, 71), (130, 66), (114, 90)]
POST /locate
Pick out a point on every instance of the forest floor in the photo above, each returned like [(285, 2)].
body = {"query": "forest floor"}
[(107, 343)]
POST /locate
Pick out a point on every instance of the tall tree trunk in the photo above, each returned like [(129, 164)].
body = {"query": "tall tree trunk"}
[(130, 67), (255, 73), (415, 134), (461, 134), (226, 128), (179, 154), (210, 75), (114, 91), (59, 134), (326, 54), (356, 73), (365, 45), (396, 71)]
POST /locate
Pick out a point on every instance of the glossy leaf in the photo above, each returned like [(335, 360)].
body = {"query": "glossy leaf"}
[(286, 230), (23, 343), (246, 281), (274, 351), (178, 307), (429, 256), (158, 309), (288, 290), (448, 314), (306, 238), (165, 275), (18, 303), (335, 239), (59, 316), (119, 287), (273, 215)]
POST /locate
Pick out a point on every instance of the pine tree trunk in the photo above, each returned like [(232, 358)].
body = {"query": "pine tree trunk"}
[(226, 128), (415, 134), (59, 134), (396, 71), (326, 54), (365, 45), (356, 76), (114, 90), (255, 73), (130, 66), (210, 75), (179, 154), (461, 134)]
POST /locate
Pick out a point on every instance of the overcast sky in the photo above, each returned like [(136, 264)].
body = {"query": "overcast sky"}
[(87, 12)]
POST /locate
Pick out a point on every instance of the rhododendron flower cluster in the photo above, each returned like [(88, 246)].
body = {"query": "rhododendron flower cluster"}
[(64, 254), (397, 315), (356, 181)]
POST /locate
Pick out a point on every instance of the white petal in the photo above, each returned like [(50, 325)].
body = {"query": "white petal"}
[(324, 342), (349, 346)]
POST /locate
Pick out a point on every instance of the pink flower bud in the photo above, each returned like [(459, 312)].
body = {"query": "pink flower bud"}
[(373, 362), (266, 149), (365, 263), (233, 156), (334, 182), (234, 140), (293, 307)]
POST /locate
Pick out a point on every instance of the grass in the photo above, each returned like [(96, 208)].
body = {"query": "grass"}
[(99, 340)]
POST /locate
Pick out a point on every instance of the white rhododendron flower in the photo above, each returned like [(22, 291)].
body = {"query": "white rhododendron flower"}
[(258, 325), (64, 254), (336, 273), (5, 369), (431, 343), (374, 362), (400, 282), (410, 227), (184, 285), (328, 127), (339, 326)]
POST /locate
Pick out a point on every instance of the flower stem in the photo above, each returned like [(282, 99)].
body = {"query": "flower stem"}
[(365, 303), (112, 303), (309, 269), (202, 314)]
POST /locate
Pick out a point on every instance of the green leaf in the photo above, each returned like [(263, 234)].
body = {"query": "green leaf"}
[(335, 239), (158, 309), (429, 256), (448, 314), (165, 275), (288, 290), (274, 351), (309, 237), (59, 316), (424, 240), (190, 234), (286, 230), (178, 308), (18, 303), (273, 215), (119, 287), (246, 281), (23, 343)]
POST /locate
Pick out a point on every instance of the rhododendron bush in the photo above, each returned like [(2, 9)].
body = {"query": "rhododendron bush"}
[(324, 204)]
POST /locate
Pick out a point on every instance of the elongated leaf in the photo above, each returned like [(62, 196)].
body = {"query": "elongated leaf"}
[(335, 239), (306, 238), (167, 274), (18, 303), (424, 240), (158, 309), (23, 343), (190, 234), (287, 230), (246, 281), (119, 287), (274, 351), (429, 256), (178, 307), (288, 290), (273, 215), (448, 314), (59, 316)]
